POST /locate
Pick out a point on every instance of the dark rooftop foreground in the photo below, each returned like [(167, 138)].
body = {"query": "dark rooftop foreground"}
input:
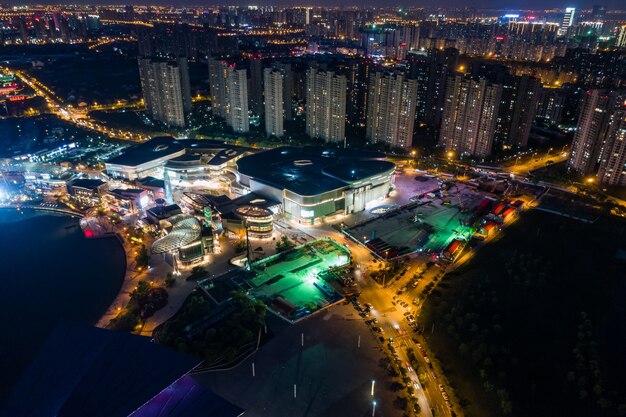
[(86, 371)]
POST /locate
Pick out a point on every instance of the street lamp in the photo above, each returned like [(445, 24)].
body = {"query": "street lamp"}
[(590, 180), (373, 408)]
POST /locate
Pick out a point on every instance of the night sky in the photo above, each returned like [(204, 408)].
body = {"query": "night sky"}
[(512, 4)]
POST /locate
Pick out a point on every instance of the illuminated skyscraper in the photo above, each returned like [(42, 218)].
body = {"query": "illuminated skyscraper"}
[(255, 90), (568, 20), (621, 37), (218, 86), (612, 170), (228, 86), (237, 81), (518, 106)]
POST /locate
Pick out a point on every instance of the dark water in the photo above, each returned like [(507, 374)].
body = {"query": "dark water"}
[(49, 271)]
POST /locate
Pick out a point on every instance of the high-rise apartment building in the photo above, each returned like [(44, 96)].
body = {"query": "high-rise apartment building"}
[(166, 90), (594, 126), (518, 106), (237, 86), (431, 70), (419, 69), (256, 85), (288, 86), (274, 105), (391, 109), (218, 88), (469, 116), (598, 12), (228, 86), (326, 105), (621, 37), (612, 170)]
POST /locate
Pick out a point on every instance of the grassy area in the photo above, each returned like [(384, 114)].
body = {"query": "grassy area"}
[(531, 325)]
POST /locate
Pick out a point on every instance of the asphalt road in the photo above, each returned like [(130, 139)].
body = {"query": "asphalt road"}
[(524, 165)]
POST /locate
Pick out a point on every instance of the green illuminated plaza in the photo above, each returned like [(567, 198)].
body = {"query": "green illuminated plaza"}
[(292, 284)]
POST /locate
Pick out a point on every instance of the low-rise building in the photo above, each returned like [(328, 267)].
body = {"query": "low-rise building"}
[(85, 191)]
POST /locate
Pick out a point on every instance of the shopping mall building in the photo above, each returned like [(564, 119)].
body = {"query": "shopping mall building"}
[(315, 183), (309, 184)]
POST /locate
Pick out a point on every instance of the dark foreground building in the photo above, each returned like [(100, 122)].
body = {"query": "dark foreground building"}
[(86, 371)]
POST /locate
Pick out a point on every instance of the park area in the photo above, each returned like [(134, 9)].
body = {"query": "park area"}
[(534, 306), (428, 224)]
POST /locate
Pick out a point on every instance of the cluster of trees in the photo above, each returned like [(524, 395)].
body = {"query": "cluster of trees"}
[(145, 300), (415, 364), (513, 315), (476, 325), (586, 377), (388, 272), (223, 342), (240, 246), (405, 401)]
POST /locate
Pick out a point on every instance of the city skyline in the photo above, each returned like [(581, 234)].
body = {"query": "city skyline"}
[(273, 211), (486, 4)]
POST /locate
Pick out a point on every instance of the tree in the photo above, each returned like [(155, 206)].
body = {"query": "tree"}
[(284, 244), (197, 272), (240, 246), (142, 258), (400, 403), (125, 321)]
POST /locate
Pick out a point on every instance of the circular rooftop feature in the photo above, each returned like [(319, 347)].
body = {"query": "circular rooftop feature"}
[(253, 212), (302, 162)]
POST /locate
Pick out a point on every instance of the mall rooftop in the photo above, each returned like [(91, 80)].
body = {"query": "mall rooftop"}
[(312, 170)]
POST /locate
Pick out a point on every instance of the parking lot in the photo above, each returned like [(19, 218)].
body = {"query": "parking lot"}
[(428, 224)]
